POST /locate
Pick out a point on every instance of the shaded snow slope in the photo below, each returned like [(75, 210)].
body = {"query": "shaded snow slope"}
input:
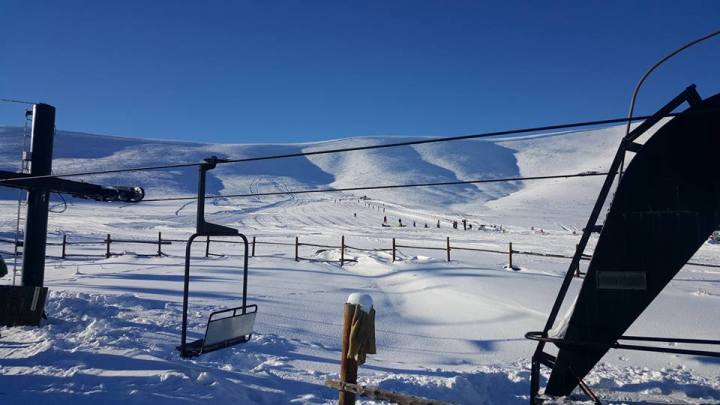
[(438, 162)]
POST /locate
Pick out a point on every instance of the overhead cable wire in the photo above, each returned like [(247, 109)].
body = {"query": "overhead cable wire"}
[(655, 66), (647, 74), (343, 150), (383, 187), (14, 101)]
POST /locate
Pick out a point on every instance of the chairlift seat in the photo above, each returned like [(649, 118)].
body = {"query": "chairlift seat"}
[(225, 328)]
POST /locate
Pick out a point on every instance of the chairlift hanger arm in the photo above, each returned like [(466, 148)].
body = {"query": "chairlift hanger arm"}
[(75, 188)]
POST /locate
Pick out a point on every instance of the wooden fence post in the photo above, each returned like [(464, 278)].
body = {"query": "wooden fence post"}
[(448, 248), (63, 246), (160, 244), (253, 247), (510, 252), (342, 250), (348, 367), (107, 250), (207, 246), (297, 245), (393, 249)]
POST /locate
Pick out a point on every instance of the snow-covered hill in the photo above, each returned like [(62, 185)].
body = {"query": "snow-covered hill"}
[(439, 162), (450, 331)]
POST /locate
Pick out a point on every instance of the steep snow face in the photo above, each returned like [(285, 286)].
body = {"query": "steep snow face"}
[(567, 201), (562, 200), (428, 163)]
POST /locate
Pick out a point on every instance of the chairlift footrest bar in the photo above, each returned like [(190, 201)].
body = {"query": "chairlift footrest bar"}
[(196, 348)]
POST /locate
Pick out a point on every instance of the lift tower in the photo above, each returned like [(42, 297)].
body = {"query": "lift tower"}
[(23, 305)]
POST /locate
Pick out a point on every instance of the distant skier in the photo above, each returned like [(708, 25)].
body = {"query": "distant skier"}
[(454, 224), (464, 221), (400, 222), (426, 225), (413, 224), (385, 220), (355, 214), (438, 224)]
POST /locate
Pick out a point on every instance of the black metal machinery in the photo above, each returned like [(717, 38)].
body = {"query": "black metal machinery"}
[(23, 305), (227, 327), (666, 205)]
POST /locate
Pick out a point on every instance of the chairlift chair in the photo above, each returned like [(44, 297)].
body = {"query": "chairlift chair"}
[(225, 327)]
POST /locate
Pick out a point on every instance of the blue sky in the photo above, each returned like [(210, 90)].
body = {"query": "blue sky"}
[(292, 71)]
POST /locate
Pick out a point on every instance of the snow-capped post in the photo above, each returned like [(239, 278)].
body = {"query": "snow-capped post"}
[(297, 248), (207, 246), (107, 250), (358, 339), (253, 248), (63, 246), (160, 244), (448, 248), (342, 250), (393, 250)]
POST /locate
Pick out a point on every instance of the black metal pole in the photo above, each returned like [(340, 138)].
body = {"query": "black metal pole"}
[(36, 222), (186, 292), (245, 272)]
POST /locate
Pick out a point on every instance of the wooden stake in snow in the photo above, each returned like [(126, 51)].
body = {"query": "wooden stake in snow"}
[(253, 247), (448, 248), (297, 246), (510, 254), (107, 251), (342, 250), (63, 245), (393, 249)]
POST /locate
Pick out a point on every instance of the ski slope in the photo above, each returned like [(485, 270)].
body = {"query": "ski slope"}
[(450, 331)]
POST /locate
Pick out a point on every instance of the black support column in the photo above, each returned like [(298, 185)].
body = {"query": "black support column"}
[(43, 131)]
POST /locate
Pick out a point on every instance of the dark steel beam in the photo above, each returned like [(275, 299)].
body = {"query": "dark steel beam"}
[(43, 131), (74, 188)]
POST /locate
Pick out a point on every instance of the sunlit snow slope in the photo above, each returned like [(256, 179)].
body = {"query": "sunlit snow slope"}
[(566, 201)]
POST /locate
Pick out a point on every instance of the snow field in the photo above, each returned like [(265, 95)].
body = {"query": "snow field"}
[(449, 331)]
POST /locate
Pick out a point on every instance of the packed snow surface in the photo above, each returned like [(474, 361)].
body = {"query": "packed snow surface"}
[(450, 331)]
